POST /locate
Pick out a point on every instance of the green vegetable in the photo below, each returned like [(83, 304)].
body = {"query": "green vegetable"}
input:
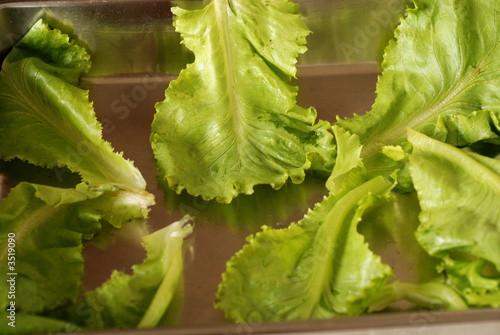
[(318, 268), (48, 270), (431, 295), (440, 76), (48, 121), (230, 121), (143, 298), (35, 324), (439, 89), (49, 226), (459, 218)]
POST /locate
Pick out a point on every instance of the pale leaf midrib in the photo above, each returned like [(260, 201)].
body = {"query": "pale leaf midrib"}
[(94, 149), (221, 12), (332, 227)]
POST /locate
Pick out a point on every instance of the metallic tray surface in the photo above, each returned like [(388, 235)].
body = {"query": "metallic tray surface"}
[(136, 53)]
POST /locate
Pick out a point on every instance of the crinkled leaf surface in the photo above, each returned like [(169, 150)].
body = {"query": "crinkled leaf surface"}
[(50, 225), (319, 267), (231, 121), (478, 287), (47, 121), (459, 192), (440, 76), (141, 299)]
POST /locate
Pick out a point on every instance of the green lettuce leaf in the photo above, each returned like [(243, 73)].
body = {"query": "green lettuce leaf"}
[(48, 121), (459, 192), (319, 267), (142, 299), (231, 121), (433, 295), (348, 159), (49, 225), (474, 280), (440, 76), (34, 324)]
